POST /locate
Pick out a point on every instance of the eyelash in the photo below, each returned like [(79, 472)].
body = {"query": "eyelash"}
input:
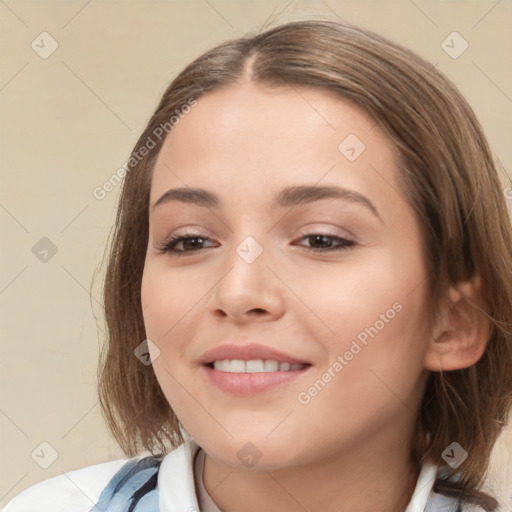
[(168, 247)]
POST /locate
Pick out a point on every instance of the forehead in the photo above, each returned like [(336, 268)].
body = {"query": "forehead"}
[(249, 138)]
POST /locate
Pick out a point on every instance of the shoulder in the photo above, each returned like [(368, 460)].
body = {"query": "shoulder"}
[(79, 488), (95, 486), (442, 503)]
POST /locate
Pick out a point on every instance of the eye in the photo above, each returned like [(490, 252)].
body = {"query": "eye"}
[(170, 245), (326, 240), (181, 245)]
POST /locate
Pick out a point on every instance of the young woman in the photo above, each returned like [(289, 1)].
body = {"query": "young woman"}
[(309, 291)]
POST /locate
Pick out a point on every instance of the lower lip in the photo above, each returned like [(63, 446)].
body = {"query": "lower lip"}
[(250, 383)]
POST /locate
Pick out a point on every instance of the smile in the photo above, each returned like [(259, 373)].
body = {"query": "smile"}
[(254, 366)]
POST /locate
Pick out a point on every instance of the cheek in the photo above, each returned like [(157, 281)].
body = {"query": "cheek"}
[(375, 312), (373, 361), (167, 298), (354, 296)]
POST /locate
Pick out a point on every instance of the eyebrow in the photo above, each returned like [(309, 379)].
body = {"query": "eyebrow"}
[(288, 197)]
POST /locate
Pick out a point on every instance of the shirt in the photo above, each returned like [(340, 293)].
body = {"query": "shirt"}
[(171, 484)]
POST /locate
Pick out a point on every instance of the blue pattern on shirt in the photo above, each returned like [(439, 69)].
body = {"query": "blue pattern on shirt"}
[(134, 488)]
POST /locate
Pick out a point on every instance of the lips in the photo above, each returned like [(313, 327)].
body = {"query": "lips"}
[(249, 352), (248, 381)]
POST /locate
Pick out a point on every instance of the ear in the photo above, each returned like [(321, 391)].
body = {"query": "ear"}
[(462, 333)]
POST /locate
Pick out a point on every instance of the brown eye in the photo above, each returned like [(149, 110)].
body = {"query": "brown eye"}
[(327, 240), (189, 244)]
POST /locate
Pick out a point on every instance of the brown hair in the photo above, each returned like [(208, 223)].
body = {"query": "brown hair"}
[(447, 175)]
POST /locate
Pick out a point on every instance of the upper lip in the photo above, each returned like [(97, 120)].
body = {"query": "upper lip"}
[(246, 353)]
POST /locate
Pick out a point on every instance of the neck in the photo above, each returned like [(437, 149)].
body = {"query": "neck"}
[(368, 478)]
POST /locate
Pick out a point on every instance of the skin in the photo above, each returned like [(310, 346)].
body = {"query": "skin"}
[(348, 449)]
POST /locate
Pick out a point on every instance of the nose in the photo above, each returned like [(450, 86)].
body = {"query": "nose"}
[(248, 289)]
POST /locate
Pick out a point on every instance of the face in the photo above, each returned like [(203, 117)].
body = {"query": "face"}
[(331, 283)]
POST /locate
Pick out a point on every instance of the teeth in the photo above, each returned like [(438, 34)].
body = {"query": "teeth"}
[(254, 366), (235, 366), (271, 366)]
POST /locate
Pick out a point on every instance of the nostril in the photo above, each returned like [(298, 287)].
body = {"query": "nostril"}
[(258, 310)]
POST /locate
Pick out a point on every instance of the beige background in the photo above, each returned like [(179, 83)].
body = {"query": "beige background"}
[(69, 121)]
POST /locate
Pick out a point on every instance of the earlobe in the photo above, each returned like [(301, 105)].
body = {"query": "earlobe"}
[(463, 332)]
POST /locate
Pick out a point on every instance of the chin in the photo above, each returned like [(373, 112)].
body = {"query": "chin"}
[(253, 451)]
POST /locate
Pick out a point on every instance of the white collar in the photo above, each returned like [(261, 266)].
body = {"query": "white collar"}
[(423, 488), (177, 488)]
